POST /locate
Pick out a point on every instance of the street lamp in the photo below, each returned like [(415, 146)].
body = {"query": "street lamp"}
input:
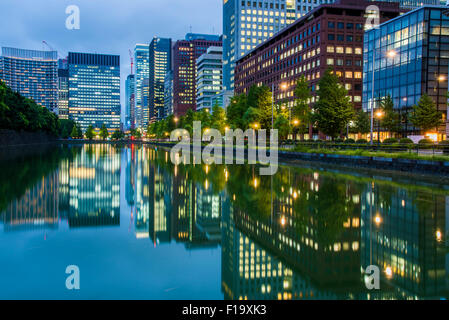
[(390, 54), (379, 115)]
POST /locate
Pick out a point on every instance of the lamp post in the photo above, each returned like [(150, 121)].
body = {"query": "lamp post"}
[(390, 54), (379, 116)]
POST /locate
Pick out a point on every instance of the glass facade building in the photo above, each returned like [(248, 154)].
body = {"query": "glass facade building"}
[(63, 89), (94, 90), (168, 93), (32, 73), (160, 64), (141, 60), (209, 77), (419, 43), (130, 102)]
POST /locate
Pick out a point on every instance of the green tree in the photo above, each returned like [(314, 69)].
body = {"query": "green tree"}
[(218, 118), (301, 111), (136, 134), (390, 119), (118, 134), (425, 114), (283, 126), (90, 133), (333, 110), (362, 123), (104, 133), (66, 128), (235, 111)]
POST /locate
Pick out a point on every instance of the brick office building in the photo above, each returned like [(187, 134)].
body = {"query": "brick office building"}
[(330, 36), (185, 54)]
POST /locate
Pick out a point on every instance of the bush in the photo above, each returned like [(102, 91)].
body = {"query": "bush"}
[(349, 141), (425, 141), (406, 141), (362, 141), (339, 140), (390, 141), (444, 143)]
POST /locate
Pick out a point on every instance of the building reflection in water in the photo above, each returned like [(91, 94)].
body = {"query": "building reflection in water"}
[(301, 234), (403, 234), (92, 183), (37, 208)]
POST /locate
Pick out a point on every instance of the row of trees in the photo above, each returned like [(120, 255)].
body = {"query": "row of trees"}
[(333, 113), (19, 113)]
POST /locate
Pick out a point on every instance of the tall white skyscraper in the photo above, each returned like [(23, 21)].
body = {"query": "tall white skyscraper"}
[(142, 65)]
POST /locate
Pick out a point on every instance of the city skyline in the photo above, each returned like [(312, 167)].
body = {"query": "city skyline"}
[(105, 26)]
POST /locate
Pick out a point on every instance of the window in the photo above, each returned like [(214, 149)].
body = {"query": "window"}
[(340, 50), (348, 74), (349, 26), (357, 75), (331, 25), (357, 99), (358, 50), (330, 49), (330, 62), (341, 37), (348, 50), (339, 62), (340, 25), (331, 37)]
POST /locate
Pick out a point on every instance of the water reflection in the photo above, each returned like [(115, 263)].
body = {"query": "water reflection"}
[(305, 233)]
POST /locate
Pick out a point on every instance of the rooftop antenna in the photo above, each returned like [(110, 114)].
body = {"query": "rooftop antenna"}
[(190, 29)]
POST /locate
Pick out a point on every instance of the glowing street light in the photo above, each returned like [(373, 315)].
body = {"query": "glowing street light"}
[(389, 272), (378, 220), (390, 54)]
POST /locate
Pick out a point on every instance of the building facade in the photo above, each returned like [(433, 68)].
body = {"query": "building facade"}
[(185, 54), (63, 89), (419, 41), (32, 73), (130, 102), (160, 64), (330, 36), (209, 77), (168, 93), (247, 24), (142, 65), (94, 90)]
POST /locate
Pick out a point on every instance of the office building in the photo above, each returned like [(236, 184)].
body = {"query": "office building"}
[(142, 65), (330, 36), (185, 54), (411, 55), (160, 63), (209, 77), (168, 93), (32, 73), (63, 89), (247, 24), (94, 90), (130, 102), (223, 99)]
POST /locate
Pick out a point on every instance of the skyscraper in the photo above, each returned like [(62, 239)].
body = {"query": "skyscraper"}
[(94, 90), (141, 60), (185, 54), (209, 77), (168, 93), (130, 92), (160, 64), (63, 89), (32, 73), (247, 24)]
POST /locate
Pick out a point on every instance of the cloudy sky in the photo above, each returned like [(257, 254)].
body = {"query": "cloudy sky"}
[(106, 26)]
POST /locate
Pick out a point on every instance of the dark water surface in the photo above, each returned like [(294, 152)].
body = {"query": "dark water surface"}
[(139, 227)]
